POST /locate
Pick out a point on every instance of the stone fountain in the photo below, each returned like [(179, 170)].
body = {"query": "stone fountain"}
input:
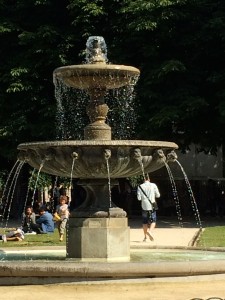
[(97, 229)]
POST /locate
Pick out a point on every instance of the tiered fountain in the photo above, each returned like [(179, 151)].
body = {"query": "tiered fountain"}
[(97, 229)]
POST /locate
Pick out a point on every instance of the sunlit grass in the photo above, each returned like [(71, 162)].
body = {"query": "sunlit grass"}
[(50, 239), (212, 237)]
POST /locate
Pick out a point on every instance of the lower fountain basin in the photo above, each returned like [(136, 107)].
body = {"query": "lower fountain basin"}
[(125, 158), (39, 269), (136, 255)]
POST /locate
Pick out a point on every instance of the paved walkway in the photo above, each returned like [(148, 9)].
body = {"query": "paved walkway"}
[(168, 233), (195, 288)]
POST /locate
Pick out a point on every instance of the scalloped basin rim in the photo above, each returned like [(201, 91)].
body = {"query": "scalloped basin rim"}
[(95, 68), (97, 143), (90, 162)]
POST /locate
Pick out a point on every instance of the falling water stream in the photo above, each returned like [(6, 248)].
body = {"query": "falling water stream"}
[(192, 198), (109, 182), (75, 156), (71, 173), (71, 106), (27, 194), (122, 116), (36, 182), (175, 195), (11, 191), (7, 182), (174, 190)]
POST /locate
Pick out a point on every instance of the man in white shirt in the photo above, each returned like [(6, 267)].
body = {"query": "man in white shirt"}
[(146, 193)]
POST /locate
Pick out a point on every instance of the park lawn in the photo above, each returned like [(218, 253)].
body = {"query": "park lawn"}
[(50, 239), (212, 237)]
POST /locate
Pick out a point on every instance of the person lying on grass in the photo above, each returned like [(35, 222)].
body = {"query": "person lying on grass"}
[(14, 235)]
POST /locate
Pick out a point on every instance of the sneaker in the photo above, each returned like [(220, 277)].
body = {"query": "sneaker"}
[(150, 235), (30, 233), (4, 238), (145, 239)]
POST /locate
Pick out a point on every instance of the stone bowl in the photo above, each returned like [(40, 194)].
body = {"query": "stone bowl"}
[(97, 159)]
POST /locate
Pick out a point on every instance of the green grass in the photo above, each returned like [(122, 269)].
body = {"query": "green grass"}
[(50, 239), (212, 237)]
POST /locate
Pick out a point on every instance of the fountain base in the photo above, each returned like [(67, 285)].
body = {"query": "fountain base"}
[(104, 239)]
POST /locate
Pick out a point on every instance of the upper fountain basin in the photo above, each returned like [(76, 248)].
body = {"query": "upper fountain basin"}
[(98, 75), (125, 157)]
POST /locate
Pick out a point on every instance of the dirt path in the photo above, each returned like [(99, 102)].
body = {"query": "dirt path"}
[(202, 287)]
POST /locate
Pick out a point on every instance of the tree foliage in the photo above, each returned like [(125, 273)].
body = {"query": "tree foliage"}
[(182, 72), (178, 46)]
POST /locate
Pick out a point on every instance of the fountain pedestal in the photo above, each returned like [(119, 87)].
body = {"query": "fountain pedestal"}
[(106, 239)]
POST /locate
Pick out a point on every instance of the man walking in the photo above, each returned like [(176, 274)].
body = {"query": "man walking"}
[(146, 193)]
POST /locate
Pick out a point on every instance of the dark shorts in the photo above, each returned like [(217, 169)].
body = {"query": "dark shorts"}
[(148, 216)]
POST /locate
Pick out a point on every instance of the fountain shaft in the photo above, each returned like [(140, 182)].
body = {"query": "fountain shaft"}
[(97, 111)]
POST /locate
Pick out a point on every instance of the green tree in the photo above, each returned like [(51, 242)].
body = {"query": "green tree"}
[(33, 43), (179, 48)]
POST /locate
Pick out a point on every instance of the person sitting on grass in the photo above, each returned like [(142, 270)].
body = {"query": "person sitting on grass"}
[(45, 223), (14, 235), (29, 219)]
